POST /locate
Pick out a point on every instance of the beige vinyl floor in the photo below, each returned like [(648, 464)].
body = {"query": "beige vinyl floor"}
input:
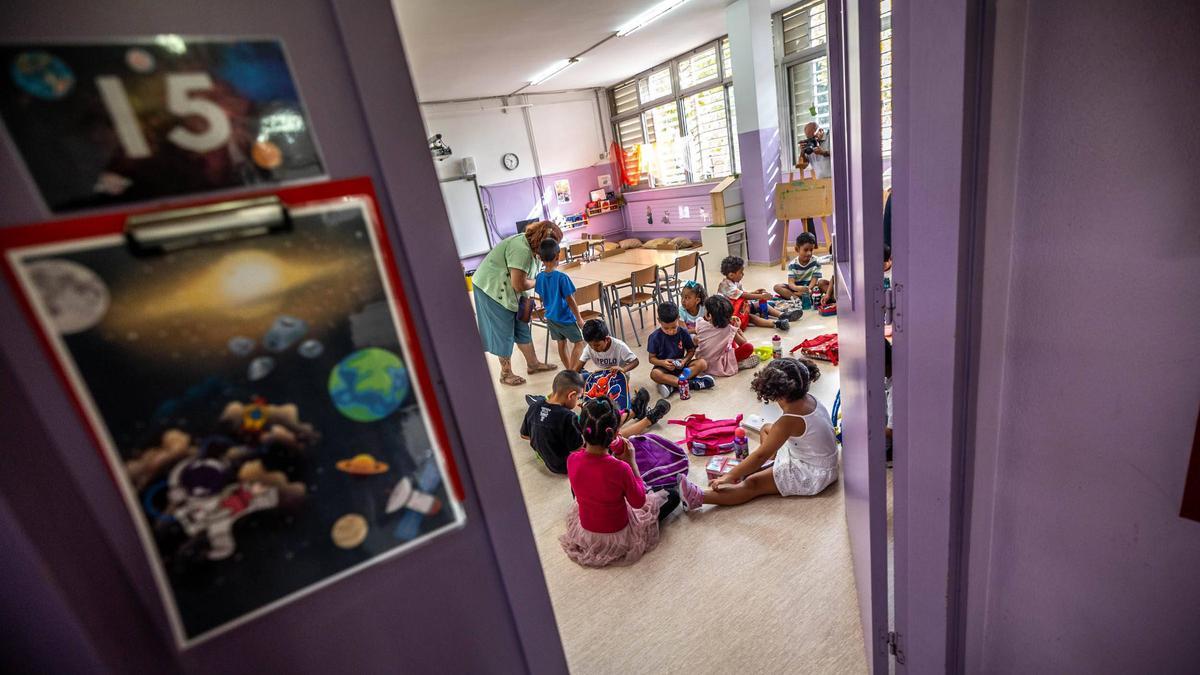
[(766, 587)]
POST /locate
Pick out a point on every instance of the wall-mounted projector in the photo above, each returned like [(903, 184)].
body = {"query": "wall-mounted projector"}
[(438, 148)]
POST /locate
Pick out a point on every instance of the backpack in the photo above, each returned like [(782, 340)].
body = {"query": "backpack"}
[(708, 437), (614, 385), (659, 460), (823, 347)]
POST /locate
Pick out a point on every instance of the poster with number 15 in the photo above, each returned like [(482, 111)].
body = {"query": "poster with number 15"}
[(123, 122)]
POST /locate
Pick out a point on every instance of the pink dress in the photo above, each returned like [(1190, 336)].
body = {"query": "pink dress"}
[(613, 521), (715, 345)]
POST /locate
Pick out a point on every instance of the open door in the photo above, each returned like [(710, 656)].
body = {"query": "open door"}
[(858, 221)]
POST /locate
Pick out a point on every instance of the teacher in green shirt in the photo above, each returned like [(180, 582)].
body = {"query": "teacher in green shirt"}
[(505, 274)]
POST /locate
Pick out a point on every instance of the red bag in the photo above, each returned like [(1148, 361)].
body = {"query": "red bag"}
[(823, 347), (708, 437)]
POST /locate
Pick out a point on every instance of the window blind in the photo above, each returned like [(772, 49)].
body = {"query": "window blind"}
[(804, 27)]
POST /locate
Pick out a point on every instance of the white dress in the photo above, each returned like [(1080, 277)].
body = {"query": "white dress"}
[(807, 464)]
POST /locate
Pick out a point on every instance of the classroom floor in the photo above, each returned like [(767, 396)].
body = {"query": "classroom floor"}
[(766, 587)]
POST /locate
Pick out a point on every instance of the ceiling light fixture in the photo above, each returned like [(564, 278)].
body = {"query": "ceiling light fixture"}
[(648, 16), (553, 70)]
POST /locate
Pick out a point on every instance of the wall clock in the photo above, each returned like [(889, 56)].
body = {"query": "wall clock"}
[(510, 160)]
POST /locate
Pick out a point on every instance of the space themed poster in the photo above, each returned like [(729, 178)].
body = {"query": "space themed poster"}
[(258, 402), (122, 122)]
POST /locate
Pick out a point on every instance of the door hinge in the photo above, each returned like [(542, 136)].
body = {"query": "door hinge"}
[(891, 317), (893, 643)]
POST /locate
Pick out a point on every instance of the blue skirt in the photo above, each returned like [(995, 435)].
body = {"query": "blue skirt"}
[(498, 326)]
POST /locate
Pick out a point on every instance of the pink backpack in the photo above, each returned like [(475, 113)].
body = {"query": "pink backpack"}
[(708, 437)]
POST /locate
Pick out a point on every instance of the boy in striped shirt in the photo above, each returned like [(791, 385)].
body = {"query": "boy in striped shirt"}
[(804, 272)]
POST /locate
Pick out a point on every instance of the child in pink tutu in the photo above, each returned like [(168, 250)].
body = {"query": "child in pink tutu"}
[(614, 520)]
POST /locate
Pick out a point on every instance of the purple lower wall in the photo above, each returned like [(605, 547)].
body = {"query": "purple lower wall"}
[(1087, 566), (686, 208)]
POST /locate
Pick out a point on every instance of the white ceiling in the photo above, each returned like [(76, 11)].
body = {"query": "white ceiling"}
[(474, 48)]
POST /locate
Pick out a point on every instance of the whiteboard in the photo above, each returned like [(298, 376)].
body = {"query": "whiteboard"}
[(466, 217)]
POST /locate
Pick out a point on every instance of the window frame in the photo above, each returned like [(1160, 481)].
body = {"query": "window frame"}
[(723, 79)]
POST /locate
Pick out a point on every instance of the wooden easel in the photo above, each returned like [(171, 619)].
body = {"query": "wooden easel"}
[(800, 199)]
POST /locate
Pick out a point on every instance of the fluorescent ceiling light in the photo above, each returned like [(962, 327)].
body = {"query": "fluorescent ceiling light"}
[(648, 16), (553, 70)]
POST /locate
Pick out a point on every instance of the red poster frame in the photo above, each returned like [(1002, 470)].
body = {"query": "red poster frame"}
[(68, 229)]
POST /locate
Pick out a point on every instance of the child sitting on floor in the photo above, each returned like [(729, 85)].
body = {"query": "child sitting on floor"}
[(801, 442), (691, 305), (720, 342), (671, 351), (745, 303), (557, 292), (614, 521), (804, 272), (552, 427), (603, 351)]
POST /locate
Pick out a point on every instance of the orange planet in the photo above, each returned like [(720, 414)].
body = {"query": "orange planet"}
[(349, 531), (266, 155), (362, 465)]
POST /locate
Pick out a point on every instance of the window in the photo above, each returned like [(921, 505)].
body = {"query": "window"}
[(885, 74), (803, 65), (681, 114), (706, 115)]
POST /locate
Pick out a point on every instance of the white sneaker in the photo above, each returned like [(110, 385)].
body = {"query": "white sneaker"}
[(664, 391)]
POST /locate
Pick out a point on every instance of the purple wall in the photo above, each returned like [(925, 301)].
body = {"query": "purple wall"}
[(760, 166), (669, 200), (518, 200), (1079, 561), (445, 607)]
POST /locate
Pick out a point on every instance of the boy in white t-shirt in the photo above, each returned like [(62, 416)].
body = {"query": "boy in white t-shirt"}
[(603, 351)]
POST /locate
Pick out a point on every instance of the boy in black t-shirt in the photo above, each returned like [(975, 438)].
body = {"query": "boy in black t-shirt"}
[(552, 427)]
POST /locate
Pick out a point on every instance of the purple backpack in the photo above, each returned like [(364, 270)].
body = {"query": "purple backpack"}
[(660, 461)]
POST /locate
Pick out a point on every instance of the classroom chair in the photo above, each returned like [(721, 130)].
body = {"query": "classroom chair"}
[(577, 250), (640, 298), (673, 277)]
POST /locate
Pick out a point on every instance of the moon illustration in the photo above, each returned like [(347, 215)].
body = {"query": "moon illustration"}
[(72, 295)]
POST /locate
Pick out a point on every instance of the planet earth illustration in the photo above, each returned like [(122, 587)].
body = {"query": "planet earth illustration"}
[(43, 75), (369, 384), (73, 296)]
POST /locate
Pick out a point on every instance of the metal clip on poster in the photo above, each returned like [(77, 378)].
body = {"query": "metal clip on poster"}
[(274, 426), (165, 231)]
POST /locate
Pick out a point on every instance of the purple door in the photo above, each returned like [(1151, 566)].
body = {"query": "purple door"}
[(858, 221)]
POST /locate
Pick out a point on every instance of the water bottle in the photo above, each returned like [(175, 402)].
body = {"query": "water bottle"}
[(685, 389), (617, 446), (764, 309), (741, 445), (777, 347)]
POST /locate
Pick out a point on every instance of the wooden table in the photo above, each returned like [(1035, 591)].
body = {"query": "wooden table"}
[(650, 256)]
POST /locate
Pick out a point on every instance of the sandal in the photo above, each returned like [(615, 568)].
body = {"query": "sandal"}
[(511, 379), (542, 368)]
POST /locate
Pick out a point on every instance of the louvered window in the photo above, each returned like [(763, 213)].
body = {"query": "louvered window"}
[(625, 98), (707, 119), (654, 86), (668, 159), (885, 74), (681, 114), (803, 27), (802, 32), (698, 68)]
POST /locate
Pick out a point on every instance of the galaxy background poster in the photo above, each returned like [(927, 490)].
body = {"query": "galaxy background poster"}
[(255, 401), (123, 122)]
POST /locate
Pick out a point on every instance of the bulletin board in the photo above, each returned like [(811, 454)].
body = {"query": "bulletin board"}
[(804, 199), (262, 402)]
